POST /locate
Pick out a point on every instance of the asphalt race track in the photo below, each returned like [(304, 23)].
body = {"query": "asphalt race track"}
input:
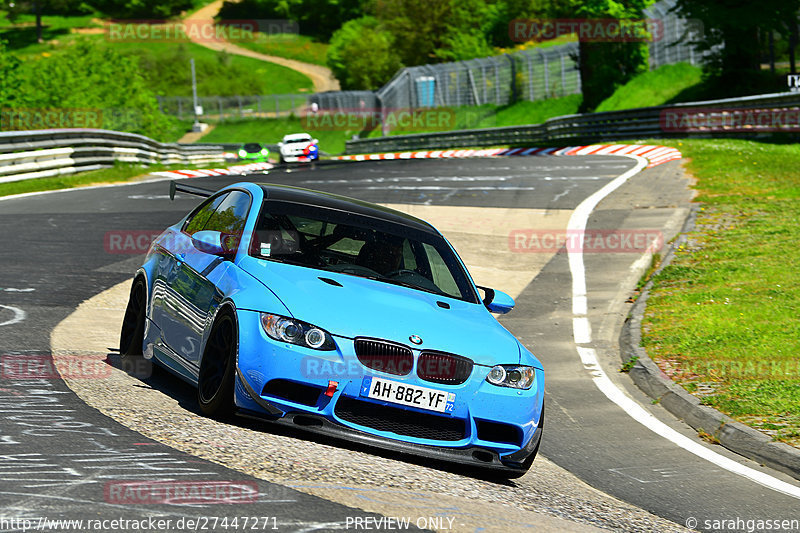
[(58, 456)]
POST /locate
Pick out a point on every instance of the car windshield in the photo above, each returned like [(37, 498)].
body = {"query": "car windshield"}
[(252, 147), (361, 246), (295, 140)]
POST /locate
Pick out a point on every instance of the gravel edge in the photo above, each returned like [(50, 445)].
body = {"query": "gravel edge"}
[(731, 434)]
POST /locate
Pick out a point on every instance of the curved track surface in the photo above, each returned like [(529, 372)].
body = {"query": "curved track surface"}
[(56, 451)]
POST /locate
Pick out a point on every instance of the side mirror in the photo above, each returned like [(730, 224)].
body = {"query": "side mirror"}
[(497, 301), (215, 243), (314, 141)]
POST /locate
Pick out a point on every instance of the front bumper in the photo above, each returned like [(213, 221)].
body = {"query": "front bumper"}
[(299, 157), (255, 158), (479, 407)]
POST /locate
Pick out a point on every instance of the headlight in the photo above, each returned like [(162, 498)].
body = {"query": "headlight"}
[(297, 332), (513, 376), (264, 151), (242, 153)]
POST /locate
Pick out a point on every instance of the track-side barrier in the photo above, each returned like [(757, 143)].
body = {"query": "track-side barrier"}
[(44, 153)]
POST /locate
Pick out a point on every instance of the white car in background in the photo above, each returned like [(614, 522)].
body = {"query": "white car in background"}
[(298, 147)]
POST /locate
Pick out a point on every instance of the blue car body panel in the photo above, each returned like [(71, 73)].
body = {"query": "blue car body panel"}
[(187, 287)]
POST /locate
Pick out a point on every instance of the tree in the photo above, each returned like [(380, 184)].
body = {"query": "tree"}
[(419, 27), (145, 9), (316, 18), (605, 66), (40, 8), (432, 31), (362, 55), (736, 25)]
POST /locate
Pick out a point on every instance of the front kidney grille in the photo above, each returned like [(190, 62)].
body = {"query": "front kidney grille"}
[(400, 421), (384, 356), (444, 368)]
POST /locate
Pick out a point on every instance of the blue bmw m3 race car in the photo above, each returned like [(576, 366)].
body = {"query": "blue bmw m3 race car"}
[(337, 316)]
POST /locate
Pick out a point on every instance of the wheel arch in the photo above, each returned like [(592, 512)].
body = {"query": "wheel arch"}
[(226, 307)]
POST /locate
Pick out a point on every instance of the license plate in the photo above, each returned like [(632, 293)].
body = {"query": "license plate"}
[(405, 394)]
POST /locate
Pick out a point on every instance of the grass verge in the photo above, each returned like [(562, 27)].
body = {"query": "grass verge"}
[(164, 64), (722, 318), (165, 67), (119, 173), (291, 46)]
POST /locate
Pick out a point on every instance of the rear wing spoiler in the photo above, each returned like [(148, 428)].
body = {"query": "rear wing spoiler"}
[(179, 187)]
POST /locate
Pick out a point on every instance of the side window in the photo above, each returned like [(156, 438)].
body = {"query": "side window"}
[(200, 218), (231, 214), (409, 260), (442, 276)]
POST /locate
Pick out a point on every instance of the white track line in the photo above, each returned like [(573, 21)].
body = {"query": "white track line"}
[(583, 335), (19, 315)]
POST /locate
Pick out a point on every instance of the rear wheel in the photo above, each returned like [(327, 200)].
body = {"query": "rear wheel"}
[(216, 380)]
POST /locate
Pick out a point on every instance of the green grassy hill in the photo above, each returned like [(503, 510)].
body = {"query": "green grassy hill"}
[(657, 87)]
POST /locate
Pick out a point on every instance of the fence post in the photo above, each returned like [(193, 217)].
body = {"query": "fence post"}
[(410, 90), (458, 87), (496, 83), (513, 78), (531, 91), (546, 76), (483, 82), (221, 113)]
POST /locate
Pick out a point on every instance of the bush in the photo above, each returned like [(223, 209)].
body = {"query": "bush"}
[(9, 77), (85, 77)]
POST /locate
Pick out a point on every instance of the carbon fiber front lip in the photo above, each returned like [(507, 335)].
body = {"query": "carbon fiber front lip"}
[(322, 425)]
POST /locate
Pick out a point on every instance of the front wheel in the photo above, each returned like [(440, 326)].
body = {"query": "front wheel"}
[(216, 380), (131, 337)]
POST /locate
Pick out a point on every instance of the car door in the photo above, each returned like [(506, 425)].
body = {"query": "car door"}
[(197, 283), (167, 302)]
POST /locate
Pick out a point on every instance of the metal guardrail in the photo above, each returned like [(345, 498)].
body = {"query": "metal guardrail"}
[(44, 153), (573, 129)]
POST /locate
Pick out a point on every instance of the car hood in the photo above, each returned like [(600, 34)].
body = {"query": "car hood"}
[(358, 307)]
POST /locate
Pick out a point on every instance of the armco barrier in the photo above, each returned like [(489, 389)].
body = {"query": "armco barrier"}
[(583, 128), (43, 153)]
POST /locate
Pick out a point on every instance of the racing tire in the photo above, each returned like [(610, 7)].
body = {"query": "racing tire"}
[(131, 338), (215, 382)]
